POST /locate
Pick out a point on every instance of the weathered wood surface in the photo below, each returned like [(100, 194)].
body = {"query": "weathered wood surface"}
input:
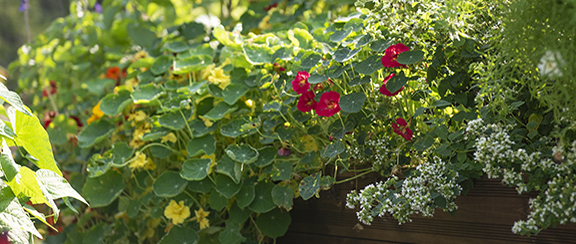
[(485, 215)]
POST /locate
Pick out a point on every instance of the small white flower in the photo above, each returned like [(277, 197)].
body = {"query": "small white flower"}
[(550, 64)]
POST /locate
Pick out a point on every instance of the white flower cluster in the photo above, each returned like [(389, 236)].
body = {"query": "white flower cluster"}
[(432, 185), (506, 159), (381, 156)]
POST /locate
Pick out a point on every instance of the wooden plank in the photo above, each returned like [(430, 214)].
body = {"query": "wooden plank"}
[(486, 214)]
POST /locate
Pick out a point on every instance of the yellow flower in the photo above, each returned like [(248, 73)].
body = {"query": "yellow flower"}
[(218, 77), (309, 143), (140, 161), (137, 116), (96, 114), (170, 137), (213, 158), (139, 55), (131, 83), (207, 122), (201, 218), (177, 212), (265, 24), (250, 103), (206, 72)]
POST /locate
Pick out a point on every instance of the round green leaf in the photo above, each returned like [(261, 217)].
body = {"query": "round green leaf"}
[(266, 156), (198, 145), (344, 54), (309, 60), (352, 103), (410, 57), (98, 165), (369, 65), (217, 201), (233, 92), (172, 120), (196, 168), (188, 65), (133, 208), (245, 196), (396, 82), (239, 215), (230, 168), (175, 46), (263, 198), (226, 186), (180, 235), (257, 53), (202, 186), (112, 104), (282, 171), (244, 154), (161, 65), (169, 184), (219, 111), (339, 35), (231, 234), (274, 223), (146, 93), (332, 149), (240, 127), (283, 196), (359, 81), (103, 190), (309, 186), (94, 133)]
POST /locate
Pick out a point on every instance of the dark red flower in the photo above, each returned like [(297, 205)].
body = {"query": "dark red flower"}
[(402, 128), (328, 104), (53, 89), (300, 83), (306, 102), (48, 118), (271, 6), (78, 122), (284, 151), (113, 73), (385, 90), (4, 238), (278, 68), (391, 54)]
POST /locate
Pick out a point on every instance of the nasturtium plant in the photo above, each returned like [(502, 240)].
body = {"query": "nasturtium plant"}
[(176, 125)]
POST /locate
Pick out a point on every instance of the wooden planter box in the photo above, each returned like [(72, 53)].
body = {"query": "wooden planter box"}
[(485, 215)]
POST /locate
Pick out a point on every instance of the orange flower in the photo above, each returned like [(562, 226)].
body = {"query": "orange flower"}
[(113, 73), (96, 114)]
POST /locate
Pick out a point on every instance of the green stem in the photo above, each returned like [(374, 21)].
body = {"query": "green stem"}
[(355, 177)]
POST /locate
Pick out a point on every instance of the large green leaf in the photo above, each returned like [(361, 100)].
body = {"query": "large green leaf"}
[(26, 183), (205, 144), (95, 234), (112, 104), (310, 185), (243, 154), (283, 196), (161, 65), (233, 92), (226, 186), (146, 93), (180, 235), (219, 111), (103, 190), (13, 99), (266, 156), (257, 53), (333, 149), (245, 196), (243, 126), (196, 168), (239, 215), (188, 65), (353, 102), (31, 135), (202, 186), (169, 184), (217, 201), (57, 186), (263, 198), (231, 234), (309, 60), (410, 57), (344, 54), (230, 168), (95, 133), (13, 217), (140, 35), (172, 120), (396, 82), (369, 65), (282, 170), (6, 131), (274, 223)]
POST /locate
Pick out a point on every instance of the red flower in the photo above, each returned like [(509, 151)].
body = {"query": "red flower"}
[(284, 151), (278, 68), (300, 83), (53, 89), (402, 128), (328, 104), (306, 102), (113, 73), (319, 86), (271, 6), (385, 90), (391, 54)]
